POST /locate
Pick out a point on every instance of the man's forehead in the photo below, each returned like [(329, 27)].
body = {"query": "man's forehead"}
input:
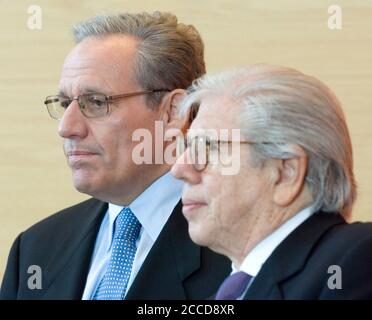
[(114, 45), (216, 113), (101, 53), (82, 78), (99, 62), (88, 66), (213, 127)]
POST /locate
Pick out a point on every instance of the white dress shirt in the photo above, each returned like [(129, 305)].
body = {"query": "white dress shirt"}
[(152, 208), (262, 251)]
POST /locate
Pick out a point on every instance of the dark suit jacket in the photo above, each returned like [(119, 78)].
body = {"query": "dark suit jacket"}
[(298, 267), (62, 245)]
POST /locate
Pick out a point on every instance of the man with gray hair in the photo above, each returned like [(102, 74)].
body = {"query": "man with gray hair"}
[(130, 241), (280, 216)]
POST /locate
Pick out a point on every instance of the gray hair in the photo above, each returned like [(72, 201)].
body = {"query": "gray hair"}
[(170, 55), (283, 106)]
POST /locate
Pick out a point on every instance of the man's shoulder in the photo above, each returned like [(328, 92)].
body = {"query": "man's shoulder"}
[(67, 219), (327, 227), (351, 232), (344, 240), (325, 238)]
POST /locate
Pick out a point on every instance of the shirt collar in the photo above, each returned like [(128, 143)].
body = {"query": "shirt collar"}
[(152, 207), (262, 251)]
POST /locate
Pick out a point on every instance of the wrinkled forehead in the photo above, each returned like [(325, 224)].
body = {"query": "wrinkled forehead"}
[(216, 113), (101, 62)]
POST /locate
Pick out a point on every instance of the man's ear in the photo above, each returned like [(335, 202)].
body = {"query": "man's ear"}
[(289, 177), (170, 110), (171, 104)]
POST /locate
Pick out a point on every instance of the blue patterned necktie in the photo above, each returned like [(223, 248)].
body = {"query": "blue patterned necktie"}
[(115, 281), (233, 286)]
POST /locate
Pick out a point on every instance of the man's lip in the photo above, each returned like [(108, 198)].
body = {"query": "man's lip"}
[(80, 153), (189, 205), (187, 202)]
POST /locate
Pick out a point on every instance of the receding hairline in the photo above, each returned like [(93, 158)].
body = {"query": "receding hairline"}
[(118, 62), (170, 54)]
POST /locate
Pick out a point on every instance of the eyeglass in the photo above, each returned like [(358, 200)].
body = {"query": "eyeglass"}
[(92, 105), (200, 148)]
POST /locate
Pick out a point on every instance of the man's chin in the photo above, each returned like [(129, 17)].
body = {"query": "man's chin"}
[(83, 185), (83, 189), (198, 236)]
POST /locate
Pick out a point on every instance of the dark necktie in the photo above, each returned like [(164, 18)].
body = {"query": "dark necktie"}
[(233, 286)]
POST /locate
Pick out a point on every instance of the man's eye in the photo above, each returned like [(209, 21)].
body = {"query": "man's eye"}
[(213, 145), (97, 101), (65, 103)]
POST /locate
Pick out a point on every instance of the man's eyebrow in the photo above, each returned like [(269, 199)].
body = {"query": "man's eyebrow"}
[(83, 91), (195, 135), (91, 90)]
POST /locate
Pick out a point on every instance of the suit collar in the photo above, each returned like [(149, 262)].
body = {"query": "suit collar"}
[(253, 262), (74, 252), (187, 260), (172, 261), (291, 255), (165, 255), (154, 206)]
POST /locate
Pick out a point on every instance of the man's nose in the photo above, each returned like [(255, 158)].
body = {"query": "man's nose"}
[(73, 122), (184, 170)]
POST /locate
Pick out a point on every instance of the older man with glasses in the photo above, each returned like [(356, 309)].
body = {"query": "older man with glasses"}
[(280, 216), (129, 241)]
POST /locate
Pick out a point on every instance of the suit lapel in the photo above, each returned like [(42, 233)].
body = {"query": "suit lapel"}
[(290, 256), (67, 270), (171, 260)]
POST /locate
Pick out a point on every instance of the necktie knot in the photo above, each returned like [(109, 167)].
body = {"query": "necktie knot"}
[(233, 286), (127, 226)]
